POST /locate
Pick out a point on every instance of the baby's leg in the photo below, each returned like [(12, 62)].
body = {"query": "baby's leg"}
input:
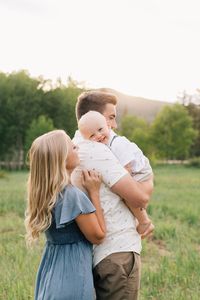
[(145, 226)]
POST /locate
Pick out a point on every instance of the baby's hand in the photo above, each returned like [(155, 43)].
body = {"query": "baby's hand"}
[(91, 181)]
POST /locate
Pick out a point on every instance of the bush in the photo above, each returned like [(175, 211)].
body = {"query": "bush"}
[(3, 174), (194, 162)]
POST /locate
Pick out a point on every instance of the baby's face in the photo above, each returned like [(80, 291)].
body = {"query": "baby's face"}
[(97, 131)]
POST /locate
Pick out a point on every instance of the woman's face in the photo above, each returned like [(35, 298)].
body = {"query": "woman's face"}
[(72, 158)]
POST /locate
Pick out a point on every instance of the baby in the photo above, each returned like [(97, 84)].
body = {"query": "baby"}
[(93, 126)]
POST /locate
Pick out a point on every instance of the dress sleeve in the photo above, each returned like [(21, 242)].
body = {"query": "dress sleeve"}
[(71, 203)]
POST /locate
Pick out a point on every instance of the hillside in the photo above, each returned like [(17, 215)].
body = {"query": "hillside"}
[(138, 106)]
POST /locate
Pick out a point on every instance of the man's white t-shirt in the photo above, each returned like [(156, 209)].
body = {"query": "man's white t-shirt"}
[(121, 234)]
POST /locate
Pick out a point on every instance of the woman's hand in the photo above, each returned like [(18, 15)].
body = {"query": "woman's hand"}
[(92, 225), (91, 181)]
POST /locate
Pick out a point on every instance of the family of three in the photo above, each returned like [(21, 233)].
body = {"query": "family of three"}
[(89, 195)]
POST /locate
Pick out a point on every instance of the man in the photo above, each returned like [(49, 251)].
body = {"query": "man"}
[(117, 260)]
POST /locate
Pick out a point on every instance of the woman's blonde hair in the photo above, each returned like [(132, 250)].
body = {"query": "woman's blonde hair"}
[(48, 176)]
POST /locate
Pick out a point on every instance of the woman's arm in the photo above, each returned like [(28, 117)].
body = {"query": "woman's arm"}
[(92, 225)]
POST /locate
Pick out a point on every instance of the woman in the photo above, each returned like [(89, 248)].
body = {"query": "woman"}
[(70, 221)]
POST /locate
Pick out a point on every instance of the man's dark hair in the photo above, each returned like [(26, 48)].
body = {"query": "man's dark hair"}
[(93, 100)]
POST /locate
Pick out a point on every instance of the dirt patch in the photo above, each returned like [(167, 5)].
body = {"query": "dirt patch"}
[(161, 246), (4, 230)]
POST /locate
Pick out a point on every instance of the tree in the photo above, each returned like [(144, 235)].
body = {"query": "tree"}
[(38, 127), (3, 114), (59, 105), (187, 99), (23, 99), (194, 112), (137, 131), (20, 101), (173, 133)]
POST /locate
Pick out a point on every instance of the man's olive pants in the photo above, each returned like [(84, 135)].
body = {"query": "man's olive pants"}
[(117, 277)]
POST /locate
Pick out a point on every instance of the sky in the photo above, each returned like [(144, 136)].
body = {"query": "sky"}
[(146, 48)]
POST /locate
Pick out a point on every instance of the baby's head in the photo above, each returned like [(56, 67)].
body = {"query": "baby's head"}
[(93, 127)]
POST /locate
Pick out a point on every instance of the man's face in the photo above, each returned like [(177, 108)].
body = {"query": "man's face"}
[(110, 115)]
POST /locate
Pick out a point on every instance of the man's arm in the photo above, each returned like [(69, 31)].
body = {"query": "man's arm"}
[(135, 194), (97, 156), (125, 151), (148, 185)]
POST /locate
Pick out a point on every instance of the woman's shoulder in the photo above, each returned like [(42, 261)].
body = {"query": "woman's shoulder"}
[(71, 196), (71, 203), (71, 190)]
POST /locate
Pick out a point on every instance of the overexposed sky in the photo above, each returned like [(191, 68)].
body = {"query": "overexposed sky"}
[(147, 48)]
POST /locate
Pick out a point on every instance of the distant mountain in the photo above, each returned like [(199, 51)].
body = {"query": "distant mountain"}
[(138, 106)]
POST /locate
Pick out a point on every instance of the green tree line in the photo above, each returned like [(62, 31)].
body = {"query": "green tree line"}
[(174, 133), (30, 107)]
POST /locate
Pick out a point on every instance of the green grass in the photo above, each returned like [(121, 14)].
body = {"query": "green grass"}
[(170, 260), (18, 266)]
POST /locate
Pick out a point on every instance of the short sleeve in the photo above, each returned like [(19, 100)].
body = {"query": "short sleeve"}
[(128, 152), (71, 203)]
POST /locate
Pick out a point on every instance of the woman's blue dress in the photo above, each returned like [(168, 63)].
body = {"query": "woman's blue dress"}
[(65, 271)]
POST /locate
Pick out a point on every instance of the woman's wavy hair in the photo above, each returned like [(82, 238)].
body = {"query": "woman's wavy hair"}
[(48, 176)]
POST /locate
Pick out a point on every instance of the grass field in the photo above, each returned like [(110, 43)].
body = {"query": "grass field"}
[(170, 260)]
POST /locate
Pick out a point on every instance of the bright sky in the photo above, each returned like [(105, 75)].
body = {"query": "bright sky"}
[(147, 48)]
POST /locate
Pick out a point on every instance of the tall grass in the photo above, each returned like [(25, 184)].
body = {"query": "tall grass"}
[(170, 260), (17, 265)]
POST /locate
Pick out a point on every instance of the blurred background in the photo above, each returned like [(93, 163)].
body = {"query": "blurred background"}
[(146, 52)]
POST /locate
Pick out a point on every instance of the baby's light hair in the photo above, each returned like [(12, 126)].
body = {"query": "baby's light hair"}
[(87, 118)]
